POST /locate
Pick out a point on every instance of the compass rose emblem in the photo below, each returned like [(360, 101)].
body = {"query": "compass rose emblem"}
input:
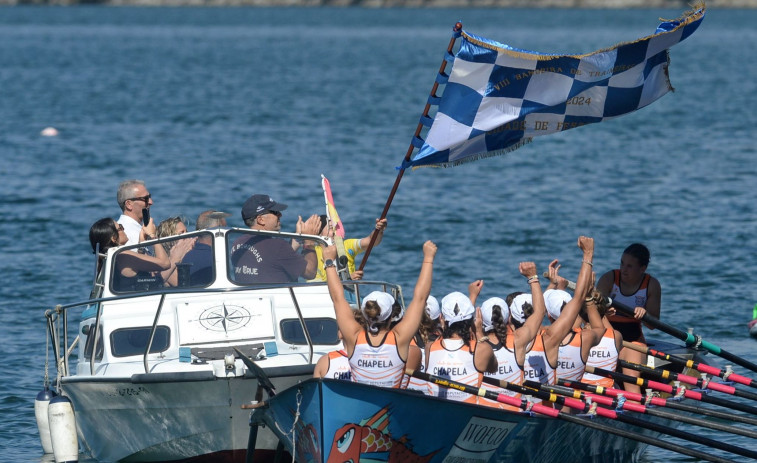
[(224, 318)]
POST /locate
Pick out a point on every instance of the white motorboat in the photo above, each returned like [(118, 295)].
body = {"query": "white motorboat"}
[(165, 383)]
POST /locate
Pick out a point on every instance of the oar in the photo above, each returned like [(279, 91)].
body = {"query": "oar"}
[(658, 401), (698, 382), (263, 380), (701, 367), (612, 414), (621, 403), (552, 412), (689, 394), (690, 339)]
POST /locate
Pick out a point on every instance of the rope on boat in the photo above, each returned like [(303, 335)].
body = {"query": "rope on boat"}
[(294, 424), (621, 401)]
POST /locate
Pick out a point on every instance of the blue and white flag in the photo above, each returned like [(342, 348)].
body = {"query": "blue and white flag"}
[(498, 98)]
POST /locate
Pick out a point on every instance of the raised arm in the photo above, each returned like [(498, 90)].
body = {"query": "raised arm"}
[(555, 333), (345, 319), (483, 357), (474, 290), (408, 326), (380, 227), (310, 227), (526, 333), (175, 256), (592, 337)]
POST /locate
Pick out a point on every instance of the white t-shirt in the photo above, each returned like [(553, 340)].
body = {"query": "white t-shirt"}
[(131, 228)]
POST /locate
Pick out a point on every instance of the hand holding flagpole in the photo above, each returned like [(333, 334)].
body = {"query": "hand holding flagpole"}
[(425, 120)]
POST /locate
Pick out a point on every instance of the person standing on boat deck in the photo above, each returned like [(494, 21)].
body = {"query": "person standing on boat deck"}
[(265, 259), (132, 197), (633, 287), (378, 351), (461, 353), (200, 258), (352, 246)]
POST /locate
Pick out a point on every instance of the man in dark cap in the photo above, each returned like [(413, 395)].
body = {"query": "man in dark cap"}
[(265, 259)]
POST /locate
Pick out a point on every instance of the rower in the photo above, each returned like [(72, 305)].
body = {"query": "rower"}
[(632, 286)]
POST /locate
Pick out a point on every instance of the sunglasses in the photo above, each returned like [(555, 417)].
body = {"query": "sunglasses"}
[(146, 199), (276, 213), (120, 227)]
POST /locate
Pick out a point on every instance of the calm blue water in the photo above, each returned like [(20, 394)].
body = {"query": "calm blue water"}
[(209, 106)]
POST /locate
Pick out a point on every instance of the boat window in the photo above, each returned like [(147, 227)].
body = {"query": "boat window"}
[(89, 331), (256, 258), (322, 331), (196, 270), (133, 341)]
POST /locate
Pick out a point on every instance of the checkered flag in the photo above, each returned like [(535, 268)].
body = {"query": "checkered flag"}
[(497, 98)]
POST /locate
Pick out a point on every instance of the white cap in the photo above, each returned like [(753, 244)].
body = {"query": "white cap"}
[(554, 299), (457, 307), (384, 300), (487, 309), (516, 307), (432, 308)]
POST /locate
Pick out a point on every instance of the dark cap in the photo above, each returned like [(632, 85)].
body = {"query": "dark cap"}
[(258, 204)]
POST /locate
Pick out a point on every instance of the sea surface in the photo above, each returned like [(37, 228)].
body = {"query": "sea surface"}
[(209, 106)]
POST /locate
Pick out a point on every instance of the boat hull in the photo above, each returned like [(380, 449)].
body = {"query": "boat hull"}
[(171, 417), (331, 421)]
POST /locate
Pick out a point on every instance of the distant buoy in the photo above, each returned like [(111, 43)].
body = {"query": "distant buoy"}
[(49, 132), (60, 414), (43, 425)]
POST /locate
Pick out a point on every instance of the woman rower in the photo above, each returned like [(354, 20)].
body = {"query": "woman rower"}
[(461, 353), (631, 286), (540, 357), (495, 314), (378, 351)]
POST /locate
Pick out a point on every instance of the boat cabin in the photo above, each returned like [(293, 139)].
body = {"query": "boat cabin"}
[(143, 324)]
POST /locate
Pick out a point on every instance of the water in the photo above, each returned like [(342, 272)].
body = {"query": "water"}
[(211, 105)]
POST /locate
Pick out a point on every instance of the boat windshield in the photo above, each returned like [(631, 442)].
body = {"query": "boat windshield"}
[(258, 258), (134, 268)]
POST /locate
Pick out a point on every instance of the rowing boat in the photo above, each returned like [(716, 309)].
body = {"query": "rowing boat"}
[(326, 420)]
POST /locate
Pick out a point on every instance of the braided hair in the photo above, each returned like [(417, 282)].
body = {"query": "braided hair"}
[(499, 324)]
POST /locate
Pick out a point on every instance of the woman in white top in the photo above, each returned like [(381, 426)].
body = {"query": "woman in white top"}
[(377, 333)]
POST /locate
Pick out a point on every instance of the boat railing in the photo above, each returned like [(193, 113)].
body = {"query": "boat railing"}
[(62, 362)]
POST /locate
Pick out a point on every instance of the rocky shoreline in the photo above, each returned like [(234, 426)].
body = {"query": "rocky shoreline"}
[(597, 4)]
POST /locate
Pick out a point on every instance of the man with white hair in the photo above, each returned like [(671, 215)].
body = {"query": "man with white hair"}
[(134, 199)]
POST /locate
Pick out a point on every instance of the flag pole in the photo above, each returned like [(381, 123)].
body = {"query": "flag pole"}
[(455, 34)]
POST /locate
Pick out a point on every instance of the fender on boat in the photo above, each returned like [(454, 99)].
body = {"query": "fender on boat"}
[(41, 404), (65, 443)]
